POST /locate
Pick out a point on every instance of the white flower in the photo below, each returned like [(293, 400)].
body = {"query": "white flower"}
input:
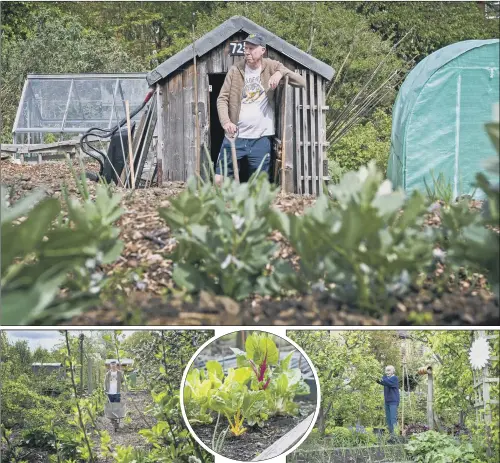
[(362, 247), (237, 221), (392, 257), (90, 263)]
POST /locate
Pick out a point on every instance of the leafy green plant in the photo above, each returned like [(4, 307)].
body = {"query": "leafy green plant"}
[(262, 386), (260, 355), (365, 244), (44, 251), (222, 236), (441, 190), (434, 447)]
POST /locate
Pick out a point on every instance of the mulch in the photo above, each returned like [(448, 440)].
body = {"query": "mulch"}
[(144, 292)]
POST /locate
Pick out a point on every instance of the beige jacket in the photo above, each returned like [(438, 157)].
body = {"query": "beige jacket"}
[(229, 100)]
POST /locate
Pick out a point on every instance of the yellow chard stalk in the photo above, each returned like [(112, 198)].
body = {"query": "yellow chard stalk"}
[(237, 428)]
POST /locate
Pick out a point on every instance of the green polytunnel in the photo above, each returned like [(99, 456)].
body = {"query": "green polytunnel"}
[(439, 116)]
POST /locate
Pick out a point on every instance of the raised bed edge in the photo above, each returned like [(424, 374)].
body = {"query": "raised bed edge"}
[(287, 441)]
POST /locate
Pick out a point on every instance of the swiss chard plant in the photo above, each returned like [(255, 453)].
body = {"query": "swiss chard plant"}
[(45, 250), (261, 355), (260, 387)]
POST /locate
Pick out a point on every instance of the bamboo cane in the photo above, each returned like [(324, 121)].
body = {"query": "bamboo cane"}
[(130, 155), (232, 142)]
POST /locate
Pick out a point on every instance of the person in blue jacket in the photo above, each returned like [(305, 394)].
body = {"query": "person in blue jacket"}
[(391, 396)]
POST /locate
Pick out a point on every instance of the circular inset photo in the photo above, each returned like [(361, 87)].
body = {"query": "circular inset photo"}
[(250, 396)]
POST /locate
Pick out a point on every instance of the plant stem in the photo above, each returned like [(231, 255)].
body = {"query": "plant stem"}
[(75, 392)]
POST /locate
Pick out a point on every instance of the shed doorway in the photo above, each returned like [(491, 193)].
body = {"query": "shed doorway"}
[(216, 131)]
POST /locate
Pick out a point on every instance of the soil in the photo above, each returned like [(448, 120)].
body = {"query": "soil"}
[(142, 274), (128, 431), (255, 440)]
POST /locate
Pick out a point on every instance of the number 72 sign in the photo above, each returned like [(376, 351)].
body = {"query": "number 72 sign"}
[(236, 49)]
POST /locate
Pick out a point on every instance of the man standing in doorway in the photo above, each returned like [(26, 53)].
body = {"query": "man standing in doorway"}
[(112, 382), (391, 396), (246, 106)]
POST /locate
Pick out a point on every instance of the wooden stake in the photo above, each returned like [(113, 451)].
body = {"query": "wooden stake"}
[(196, 116), (236, 170), (430, 399), (283, 143), (130, 155), (159, 172)]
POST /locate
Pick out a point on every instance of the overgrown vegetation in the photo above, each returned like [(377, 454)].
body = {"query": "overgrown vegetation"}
[(351, 424), (67, 425)]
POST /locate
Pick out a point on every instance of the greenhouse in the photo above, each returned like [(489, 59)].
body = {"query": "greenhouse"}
[(439, 117), (68, 104)]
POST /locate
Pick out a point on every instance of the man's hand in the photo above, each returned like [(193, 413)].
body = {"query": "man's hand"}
[(230, 128), (275, 79)]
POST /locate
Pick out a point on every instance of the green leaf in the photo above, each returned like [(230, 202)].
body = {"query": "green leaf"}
[(188, 277), (214, 368), (259, 347)]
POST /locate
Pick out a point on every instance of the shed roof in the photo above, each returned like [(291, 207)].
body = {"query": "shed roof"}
[(38, 364), (122, 361), (228, 28)]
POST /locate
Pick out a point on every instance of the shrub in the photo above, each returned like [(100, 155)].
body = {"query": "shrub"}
[(432, 446), (363, 143), (23, 407)]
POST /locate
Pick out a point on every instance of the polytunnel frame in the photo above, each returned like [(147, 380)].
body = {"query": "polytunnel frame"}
[(36, 133)]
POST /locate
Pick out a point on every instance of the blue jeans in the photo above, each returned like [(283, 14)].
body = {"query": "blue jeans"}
[(114, 397), (255, 150), (391, 416)]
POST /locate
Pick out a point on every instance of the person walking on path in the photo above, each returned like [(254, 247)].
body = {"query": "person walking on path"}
[(246, 107), (391, 396), (113, 382)]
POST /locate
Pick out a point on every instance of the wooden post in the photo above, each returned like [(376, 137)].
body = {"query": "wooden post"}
[(81, 364), (283, 143), (130, 155), (159, 172), (90, 377), (196, 115), (403, 395), (430, 398)]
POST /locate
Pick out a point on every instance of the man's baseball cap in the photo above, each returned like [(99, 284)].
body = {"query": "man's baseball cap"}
[(256, 39)]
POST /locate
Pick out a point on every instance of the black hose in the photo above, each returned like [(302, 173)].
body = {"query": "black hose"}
[(107, 133)]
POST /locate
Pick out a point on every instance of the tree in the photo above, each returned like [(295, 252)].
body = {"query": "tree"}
[(345, 365), (435, 24), (55, 44), (453, 375)]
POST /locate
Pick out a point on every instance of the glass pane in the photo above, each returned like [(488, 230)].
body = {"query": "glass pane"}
[(90, 102)]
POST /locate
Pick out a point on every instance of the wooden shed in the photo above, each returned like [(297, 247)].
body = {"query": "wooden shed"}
[(304, 130)]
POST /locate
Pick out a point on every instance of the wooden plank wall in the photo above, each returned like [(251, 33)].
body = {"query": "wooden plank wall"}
[(310, 123), (304, 136)]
